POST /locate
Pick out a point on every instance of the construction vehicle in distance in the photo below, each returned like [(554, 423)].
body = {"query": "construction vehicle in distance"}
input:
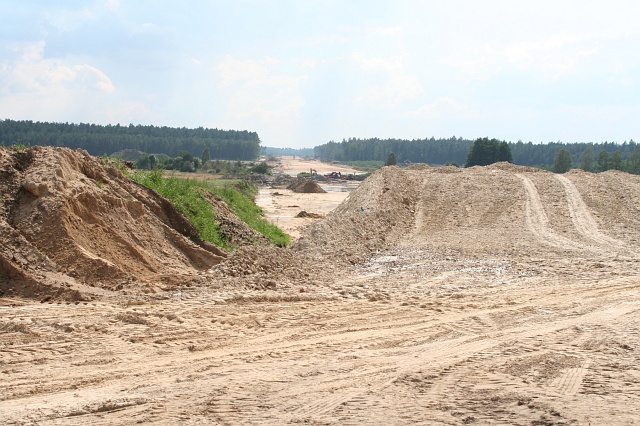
[(333, 175)]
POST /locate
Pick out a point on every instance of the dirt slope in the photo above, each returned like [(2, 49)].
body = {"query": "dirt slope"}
[(500, 210), (68, 222), (369, 219)]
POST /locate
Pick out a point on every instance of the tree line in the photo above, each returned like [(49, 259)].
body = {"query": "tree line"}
[(98, 139), (593, 157)]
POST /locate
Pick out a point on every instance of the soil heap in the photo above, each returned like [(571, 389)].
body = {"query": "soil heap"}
[(305, 186), (497, 210), (378, 209), (70, 225)]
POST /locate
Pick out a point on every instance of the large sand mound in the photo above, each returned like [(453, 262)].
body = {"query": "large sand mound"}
[(501, 209), (69, 223)]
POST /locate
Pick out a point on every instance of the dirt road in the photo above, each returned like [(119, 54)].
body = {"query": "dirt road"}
[(496, 297), (295, 165), (513, 352), (282, 206)]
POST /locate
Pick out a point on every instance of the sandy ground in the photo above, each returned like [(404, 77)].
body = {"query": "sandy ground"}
[(293, 166), (533, 322), (281, 206)]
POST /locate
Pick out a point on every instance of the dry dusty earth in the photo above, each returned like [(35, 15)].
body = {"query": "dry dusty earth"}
[(294, 165), (282, 206), (490, 295)]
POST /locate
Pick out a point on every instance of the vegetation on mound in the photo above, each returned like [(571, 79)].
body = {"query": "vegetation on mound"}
[(239, 198), (187, 196), (365, 166), (485, 151)]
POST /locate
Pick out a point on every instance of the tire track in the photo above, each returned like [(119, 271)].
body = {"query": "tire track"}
[(444, 354), (570, 381), (343, 369), (584, 221), (538, 222)]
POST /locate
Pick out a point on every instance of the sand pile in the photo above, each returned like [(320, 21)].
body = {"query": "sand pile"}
[(373, 215), (497, 210), (305, 186), (70, 223)]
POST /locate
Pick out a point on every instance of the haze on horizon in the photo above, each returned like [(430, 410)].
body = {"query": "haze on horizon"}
[(301, 73)]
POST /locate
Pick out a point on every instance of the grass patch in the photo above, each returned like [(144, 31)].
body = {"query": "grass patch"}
[(188, 199), (186, 195), (240, 198)]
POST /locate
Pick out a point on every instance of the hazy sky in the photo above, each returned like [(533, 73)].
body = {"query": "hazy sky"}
[(303, 72)]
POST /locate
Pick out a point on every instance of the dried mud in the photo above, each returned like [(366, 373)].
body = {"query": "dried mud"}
[(489, 295)]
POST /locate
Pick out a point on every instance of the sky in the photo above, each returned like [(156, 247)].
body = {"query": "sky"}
[(301, 73)]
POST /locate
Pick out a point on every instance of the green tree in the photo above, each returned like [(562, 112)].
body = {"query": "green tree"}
[(261, 168), (603, 161), (633, 161), (587, 160), (206, 155), (485, 151), (143, 162), (187, 166), (562, 162), (504, 152), (391, 159), (616, 160)]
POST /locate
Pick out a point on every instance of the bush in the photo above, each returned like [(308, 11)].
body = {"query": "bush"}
[(261, 168), (562, 163), (485, 151)]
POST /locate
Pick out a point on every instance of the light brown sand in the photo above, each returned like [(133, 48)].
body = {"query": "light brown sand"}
[(495, 295)]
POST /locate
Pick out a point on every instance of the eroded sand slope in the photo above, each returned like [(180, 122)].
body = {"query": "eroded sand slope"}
[(72, 226)]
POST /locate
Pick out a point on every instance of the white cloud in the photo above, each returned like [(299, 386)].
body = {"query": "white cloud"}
[(385, 64), (33, 87), (31, 72), (66, 19), (552, 56), (308, 62), (112, 5), (70, 20), (232, 70), (394, 86), (130, 112), (390, 31), (439, 106), (255, 90)]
